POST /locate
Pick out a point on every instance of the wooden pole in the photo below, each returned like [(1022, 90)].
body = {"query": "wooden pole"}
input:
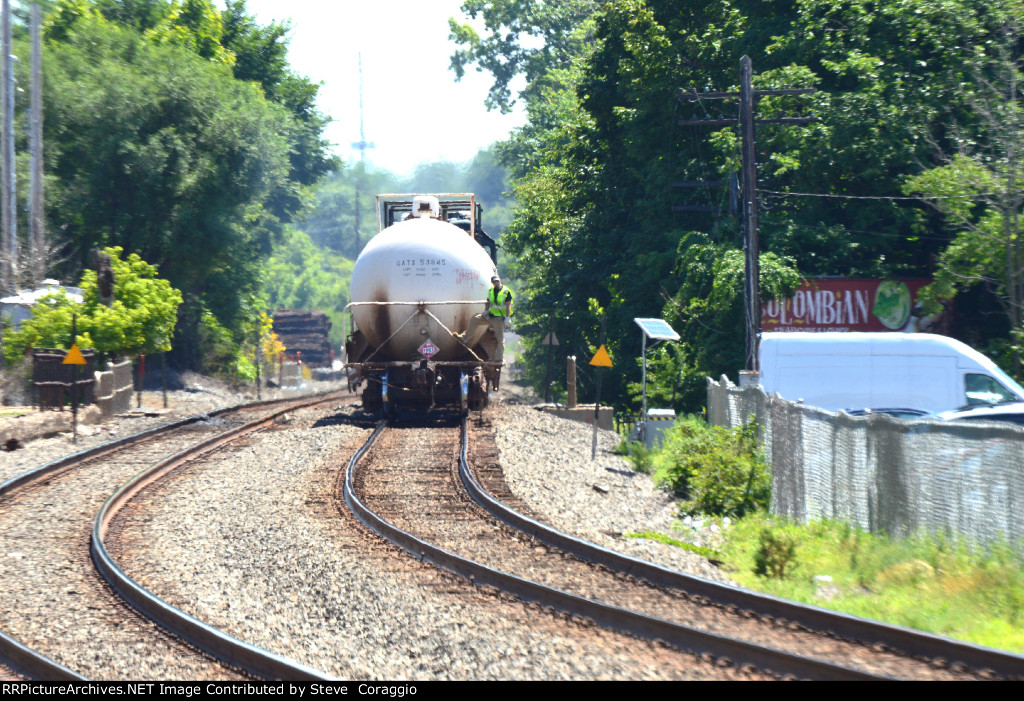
[(8, 208), (259, 343), (597, 398), (551, 348), (37, 233), (751, 292), (142, 379), (570, 380)]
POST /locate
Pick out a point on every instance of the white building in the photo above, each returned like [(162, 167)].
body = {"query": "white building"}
[(18, 308)]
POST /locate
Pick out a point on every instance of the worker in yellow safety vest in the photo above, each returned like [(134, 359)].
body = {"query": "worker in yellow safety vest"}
[(499, 300), (497, 310)]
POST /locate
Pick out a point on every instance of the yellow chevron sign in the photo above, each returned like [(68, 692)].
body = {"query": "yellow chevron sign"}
[(74, 356), (601, 358)]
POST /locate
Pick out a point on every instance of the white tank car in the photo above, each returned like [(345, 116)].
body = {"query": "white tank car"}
[(419, 260)]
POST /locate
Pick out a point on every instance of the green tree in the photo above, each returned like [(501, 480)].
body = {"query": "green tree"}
[(302, 276), (140, 321), (593, 168), (179, 131), (980, 188), (261, 56), (521, 38), (196, 25), (154, 149)]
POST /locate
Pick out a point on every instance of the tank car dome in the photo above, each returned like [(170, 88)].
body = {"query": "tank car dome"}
[(419, 260)]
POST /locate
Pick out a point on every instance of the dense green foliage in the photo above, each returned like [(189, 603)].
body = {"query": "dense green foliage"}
[(716, 471), (303, 276), (140, 321), (903, 86), (177, 131)]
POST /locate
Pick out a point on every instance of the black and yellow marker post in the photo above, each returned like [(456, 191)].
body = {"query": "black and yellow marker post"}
[(74, 358)]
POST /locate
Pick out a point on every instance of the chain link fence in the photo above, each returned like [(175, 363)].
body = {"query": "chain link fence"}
[(885, 474)]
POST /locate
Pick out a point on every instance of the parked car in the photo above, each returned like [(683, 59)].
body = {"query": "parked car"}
[(898, 412), (1012, 412)]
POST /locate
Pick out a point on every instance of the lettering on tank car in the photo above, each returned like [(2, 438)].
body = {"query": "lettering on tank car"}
[(464, 275)]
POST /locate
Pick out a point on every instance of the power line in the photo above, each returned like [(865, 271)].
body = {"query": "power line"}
[(867, 233), (864, 197)]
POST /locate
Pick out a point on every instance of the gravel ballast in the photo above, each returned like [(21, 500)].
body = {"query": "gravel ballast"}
[(269, 559), (547, 463), (258, 559)]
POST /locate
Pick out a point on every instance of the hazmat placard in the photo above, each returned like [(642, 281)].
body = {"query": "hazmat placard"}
[(428, 349)]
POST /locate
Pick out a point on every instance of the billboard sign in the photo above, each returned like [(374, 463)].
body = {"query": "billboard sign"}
[(847, 305)]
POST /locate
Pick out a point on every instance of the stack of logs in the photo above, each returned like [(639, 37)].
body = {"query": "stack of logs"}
[(304, 332)]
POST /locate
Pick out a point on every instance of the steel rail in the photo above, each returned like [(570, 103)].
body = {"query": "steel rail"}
[(907, 640), (699, 642), (33, 665), (36, 665), (220, 645)]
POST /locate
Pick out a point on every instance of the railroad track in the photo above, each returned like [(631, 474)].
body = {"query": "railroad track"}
[(421, 505), (914, 648), (295, 578), (62, 620)]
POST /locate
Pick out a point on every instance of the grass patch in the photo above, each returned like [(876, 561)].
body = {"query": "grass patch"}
[(709, 553), (932, 584)]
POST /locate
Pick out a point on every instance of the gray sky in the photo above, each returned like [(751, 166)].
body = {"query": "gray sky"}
[(414, 111)]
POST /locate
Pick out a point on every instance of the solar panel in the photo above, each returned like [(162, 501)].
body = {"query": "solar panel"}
[(657, 329)]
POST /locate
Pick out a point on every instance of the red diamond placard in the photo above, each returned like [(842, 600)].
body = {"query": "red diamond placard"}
[(428, 349)]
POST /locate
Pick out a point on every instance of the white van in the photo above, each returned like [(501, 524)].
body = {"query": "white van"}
[(856, 371)]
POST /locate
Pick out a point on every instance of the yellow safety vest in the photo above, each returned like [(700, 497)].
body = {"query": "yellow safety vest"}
[(497, 302)]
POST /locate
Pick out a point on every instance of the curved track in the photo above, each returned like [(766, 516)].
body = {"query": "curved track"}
[(410, 496), (62, 615)]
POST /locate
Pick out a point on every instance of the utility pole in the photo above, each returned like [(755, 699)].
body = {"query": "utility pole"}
[(35, 118), (8, 208), (752, 292), (746, 121), (36, 223), (361, 145)]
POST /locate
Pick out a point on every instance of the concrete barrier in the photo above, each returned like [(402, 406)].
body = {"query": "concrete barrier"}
[(114, 388), (583, 414)]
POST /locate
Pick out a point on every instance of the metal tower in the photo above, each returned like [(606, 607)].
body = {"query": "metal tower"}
[(361, 145)]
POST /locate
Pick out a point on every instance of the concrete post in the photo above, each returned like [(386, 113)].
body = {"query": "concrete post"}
[(570, 380)]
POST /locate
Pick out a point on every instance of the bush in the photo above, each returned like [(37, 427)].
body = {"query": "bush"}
[(718, 471), (775, 556), (140, 321), (640, 457)]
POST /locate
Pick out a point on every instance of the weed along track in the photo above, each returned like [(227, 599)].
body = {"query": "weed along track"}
[(410, 479), (62, 619)]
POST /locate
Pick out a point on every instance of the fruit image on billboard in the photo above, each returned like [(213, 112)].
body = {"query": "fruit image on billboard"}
[(831, 304), (892, 304)]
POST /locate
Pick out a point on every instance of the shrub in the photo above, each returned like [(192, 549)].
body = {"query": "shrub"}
[(640, 457), (775, 556), (718, 471)]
